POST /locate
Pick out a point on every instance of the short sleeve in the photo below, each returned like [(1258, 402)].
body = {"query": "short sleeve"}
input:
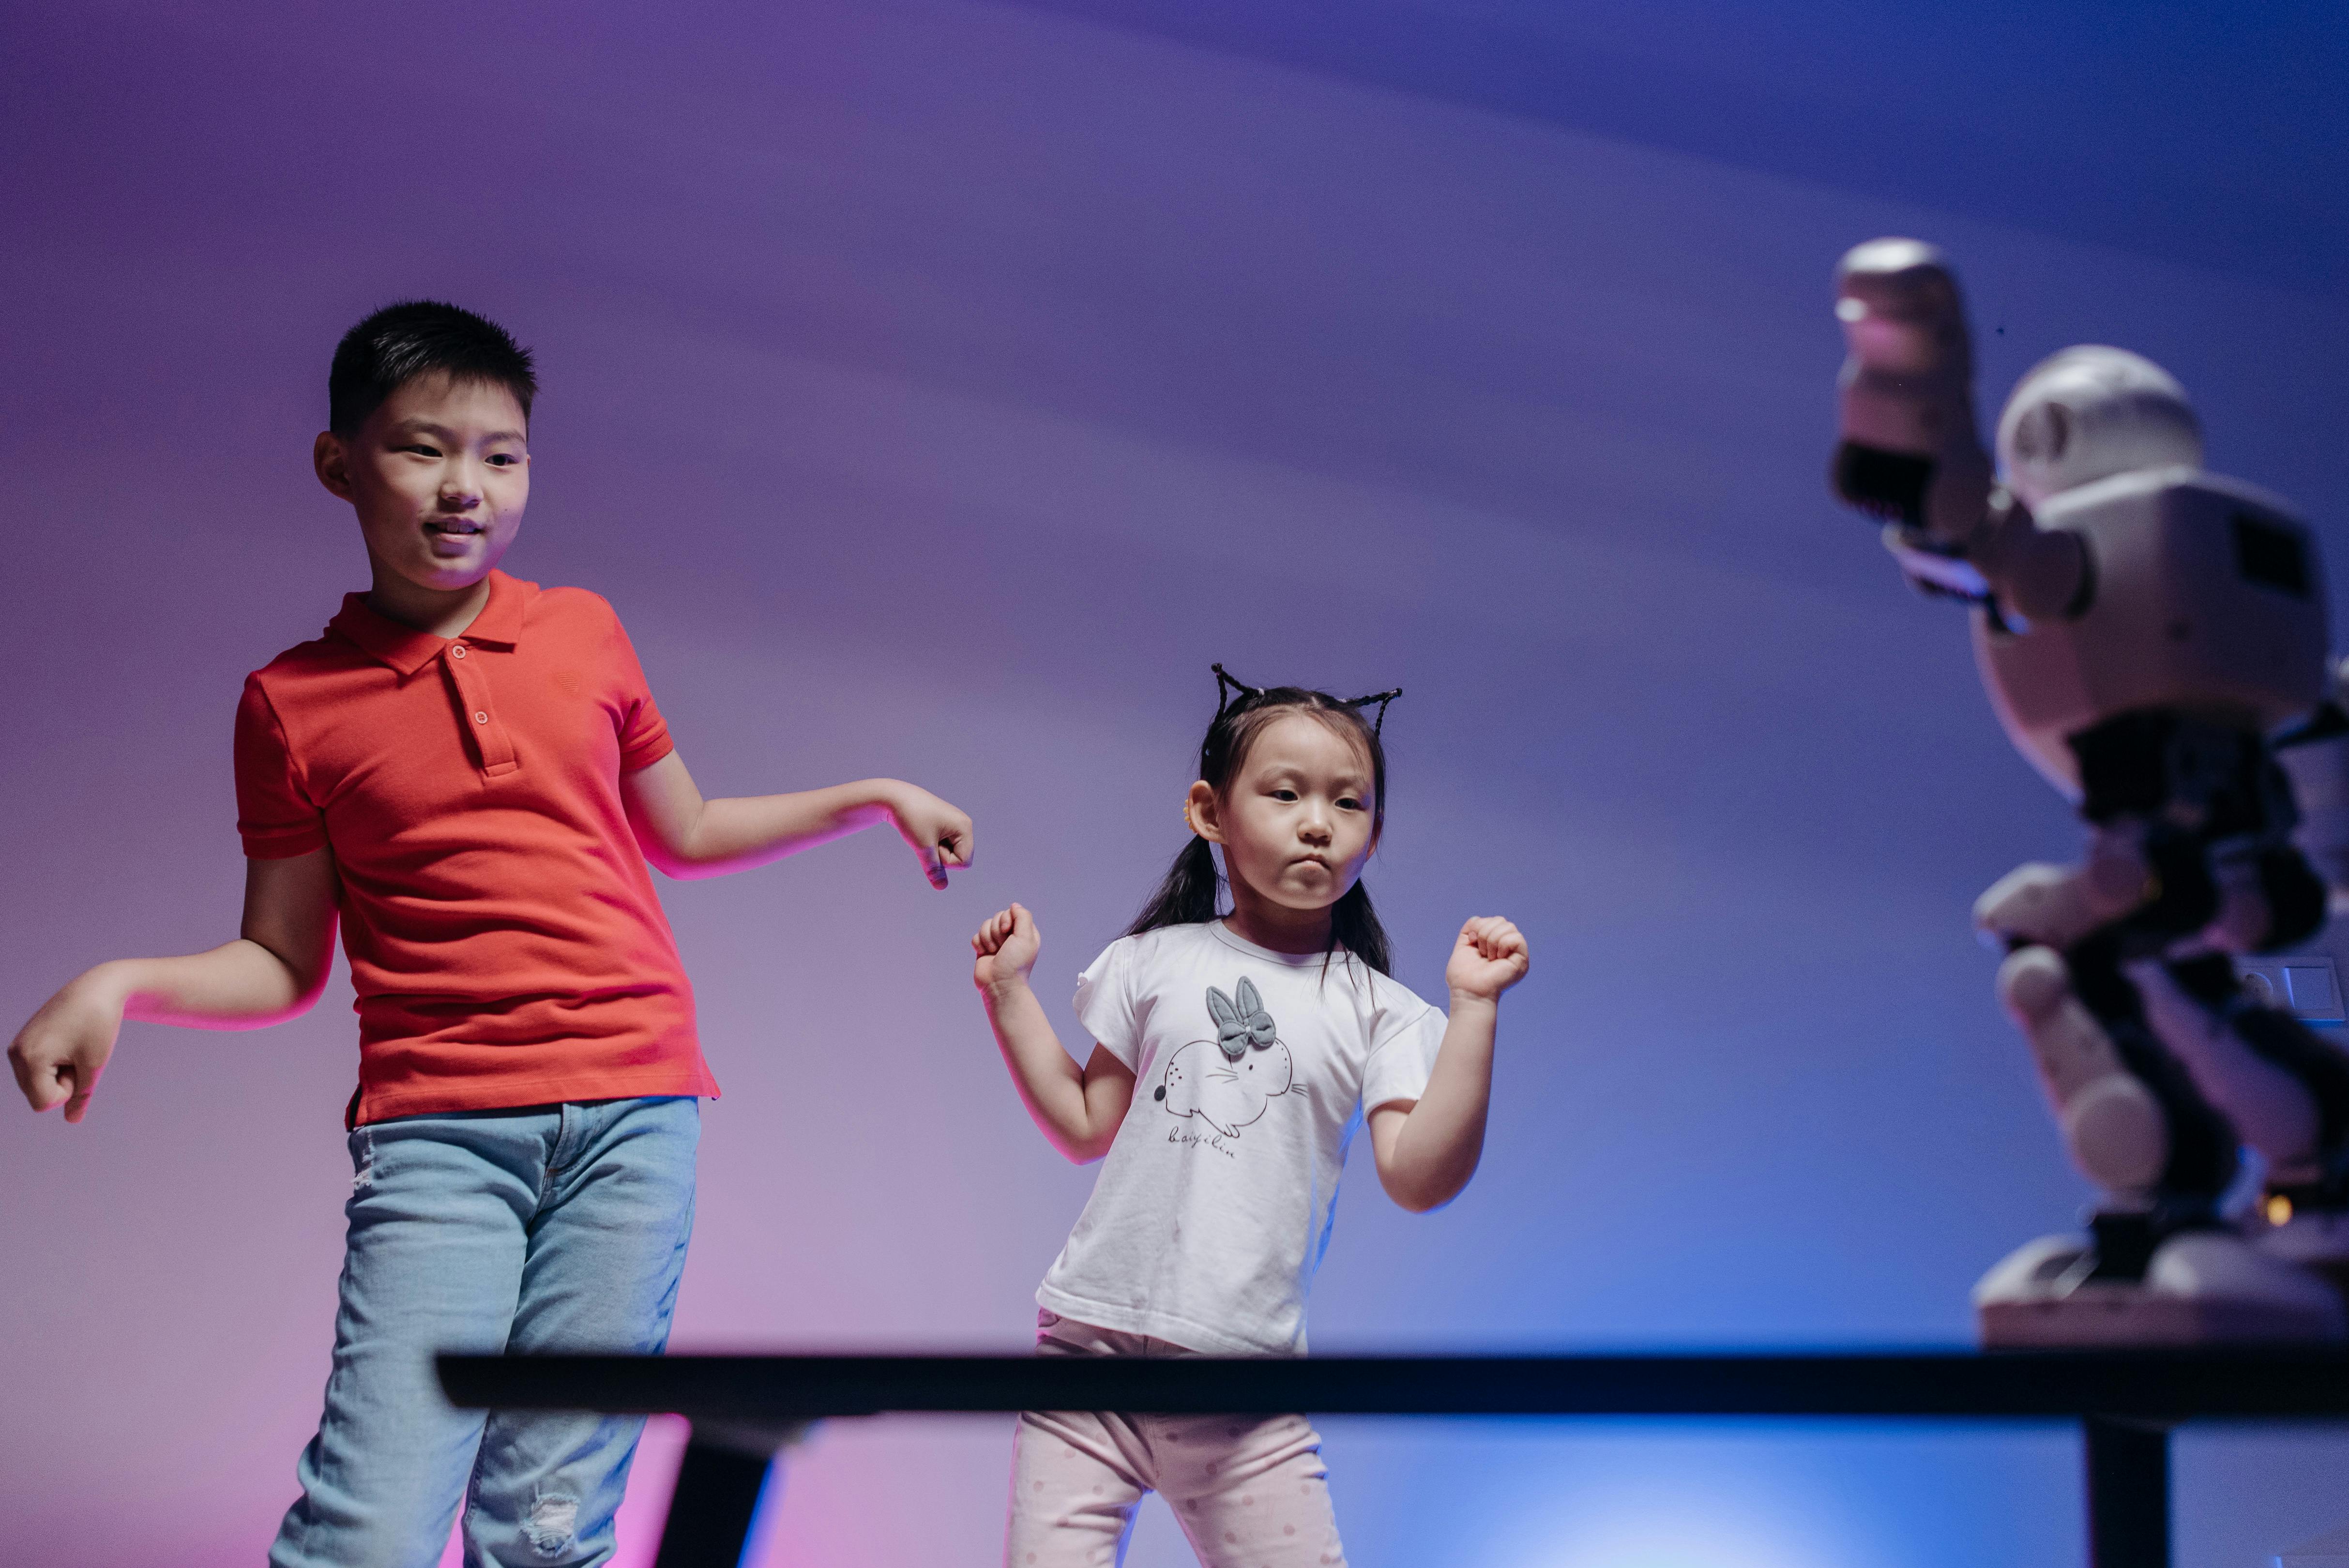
[(1105, 1003), (274, 814), (644, 736), (1400, 1063)]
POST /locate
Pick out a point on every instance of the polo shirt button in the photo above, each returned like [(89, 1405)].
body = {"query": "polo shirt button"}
[(481, 718), (458, 652)]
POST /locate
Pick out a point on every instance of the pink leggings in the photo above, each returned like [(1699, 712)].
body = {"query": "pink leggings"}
[(1248, 1491)]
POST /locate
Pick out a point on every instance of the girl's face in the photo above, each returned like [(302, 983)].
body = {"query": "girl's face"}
[(1296, 823)]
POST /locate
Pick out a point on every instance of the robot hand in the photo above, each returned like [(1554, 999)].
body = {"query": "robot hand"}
[(1909, 450)]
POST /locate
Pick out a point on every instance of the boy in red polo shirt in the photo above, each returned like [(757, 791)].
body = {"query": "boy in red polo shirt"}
[(468, 772)]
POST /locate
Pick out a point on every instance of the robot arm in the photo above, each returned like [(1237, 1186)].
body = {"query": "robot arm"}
[(1909, 451)]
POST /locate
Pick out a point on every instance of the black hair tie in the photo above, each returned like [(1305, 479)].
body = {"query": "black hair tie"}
[(1232, 694), (1381, 698), (1224, 681)]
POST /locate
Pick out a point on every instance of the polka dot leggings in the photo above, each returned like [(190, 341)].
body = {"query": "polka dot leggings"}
[(1249, 1491)]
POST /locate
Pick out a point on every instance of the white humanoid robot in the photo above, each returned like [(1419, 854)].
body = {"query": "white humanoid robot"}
[(2141, 627)]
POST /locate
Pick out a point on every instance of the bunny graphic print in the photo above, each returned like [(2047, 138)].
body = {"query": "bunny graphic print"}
[(1226, 1082), (1252, 1070)]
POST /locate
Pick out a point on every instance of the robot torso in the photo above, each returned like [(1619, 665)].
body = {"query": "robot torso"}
[(2205, 596)]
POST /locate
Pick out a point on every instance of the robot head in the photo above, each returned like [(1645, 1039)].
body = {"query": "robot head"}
[(2089, 413)]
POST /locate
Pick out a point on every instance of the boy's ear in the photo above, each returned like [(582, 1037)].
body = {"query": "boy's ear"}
[(1202, 803), (331, 461)]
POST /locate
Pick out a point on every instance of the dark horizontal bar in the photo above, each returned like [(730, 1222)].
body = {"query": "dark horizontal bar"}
[(2149, 1386)]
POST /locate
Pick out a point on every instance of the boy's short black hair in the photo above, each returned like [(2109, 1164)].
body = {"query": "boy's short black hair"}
[(417, 337)]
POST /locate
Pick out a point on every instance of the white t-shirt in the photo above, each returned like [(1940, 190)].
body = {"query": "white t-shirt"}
[(1252, 1069)]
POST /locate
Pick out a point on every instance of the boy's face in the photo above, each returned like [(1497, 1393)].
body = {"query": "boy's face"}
[(438, 476)]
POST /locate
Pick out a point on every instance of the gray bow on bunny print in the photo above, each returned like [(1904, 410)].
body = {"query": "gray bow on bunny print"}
[(1242, 1024)]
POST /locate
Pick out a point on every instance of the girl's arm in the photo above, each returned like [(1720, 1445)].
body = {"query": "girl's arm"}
[(1079, 1109), (688, 836), (273, 971), (1427, 1149)]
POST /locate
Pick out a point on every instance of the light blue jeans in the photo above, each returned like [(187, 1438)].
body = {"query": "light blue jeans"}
[(555, 1227)]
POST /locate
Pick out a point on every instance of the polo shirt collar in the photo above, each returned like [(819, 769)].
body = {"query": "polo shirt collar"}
[(408, 650)]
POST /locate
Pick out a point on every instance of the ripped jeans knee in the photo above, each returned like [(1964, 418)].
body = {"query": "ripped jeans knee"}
[(554, 1520)]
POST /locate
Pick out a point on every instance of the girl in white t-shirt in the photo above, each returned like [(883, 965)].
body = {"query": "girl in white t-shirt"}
[(1234, 1059)]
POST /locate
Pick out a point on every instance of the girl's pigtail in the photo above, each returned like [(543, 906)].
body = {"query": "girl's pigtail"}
[(1354, 926), (1191, 893)]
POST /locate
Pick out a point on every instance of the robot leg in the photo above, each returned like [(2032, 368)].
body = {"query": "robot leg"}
[(2269, 899), (2204, 1151), (2132, 1120), (2113, 1123), (2286, 1091), (2157, 1267), (2295, 1089)]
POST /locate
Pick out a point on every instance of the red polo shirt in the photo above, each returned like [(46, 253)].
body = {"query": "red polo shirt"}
[(505, 938)]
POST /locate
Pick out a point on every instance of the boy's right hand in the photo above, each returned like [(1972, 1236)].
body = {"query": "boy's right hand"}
[(1007, 946), (62, 1049)]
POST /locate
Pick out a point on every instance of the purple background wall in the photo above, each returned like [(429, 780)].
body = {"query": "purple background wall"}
[(936, 389)]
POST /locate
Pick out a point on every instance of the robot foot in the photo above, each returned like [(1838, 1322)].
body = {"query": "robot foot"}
[(2197, 1287)]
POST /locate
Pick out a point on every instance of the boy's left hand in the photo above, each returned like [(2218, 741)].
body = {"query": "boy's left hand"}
[(1489, 958), (939, 834)]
